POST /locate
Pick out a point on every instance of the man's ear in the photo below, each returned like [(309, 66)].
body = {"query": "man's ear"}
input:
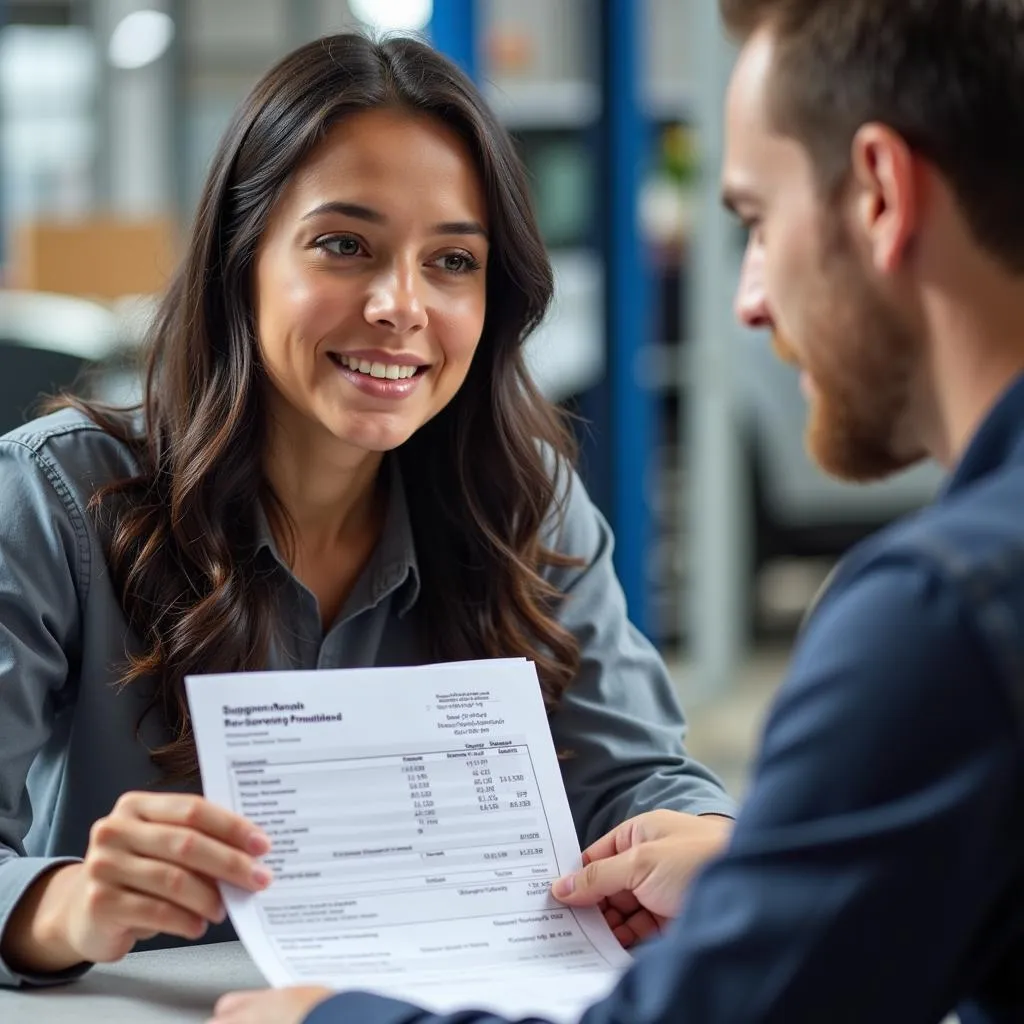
[(888, 197)]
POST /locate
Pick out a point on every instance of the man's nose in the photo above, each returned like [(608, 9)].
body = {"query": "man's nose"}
[(751, 305)]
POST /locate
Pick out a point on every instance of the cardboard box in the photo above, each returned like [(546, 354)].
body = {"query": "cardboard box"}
[(98, 258)]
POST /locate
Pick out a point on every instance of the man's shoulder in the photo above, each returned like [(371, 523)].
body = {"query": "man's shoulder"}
[(965, 554), (974, 538)]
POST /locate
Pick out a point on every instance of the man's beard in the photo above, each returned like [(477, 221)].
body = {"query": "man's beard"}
[(861, 363)]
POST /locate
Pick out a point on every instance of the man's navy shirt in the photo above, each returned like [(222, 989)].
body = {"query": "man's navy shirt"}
[(876, 873)]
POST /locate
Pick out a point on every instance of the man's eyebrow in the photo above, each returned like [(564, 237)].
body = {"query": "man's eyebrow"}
[(360, 212)]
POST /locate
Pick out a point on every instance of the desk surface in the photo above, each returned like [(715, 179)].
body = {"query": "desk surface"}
[(168, 985)]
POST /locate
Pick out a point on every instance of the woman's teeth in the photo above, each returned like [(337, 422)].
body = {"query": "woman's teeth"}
[(385, 371)]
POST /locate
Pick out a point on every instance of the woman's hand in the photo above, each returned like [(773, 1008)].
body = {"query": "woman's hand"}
[(638, 872), (268, 1006), (152, 866)]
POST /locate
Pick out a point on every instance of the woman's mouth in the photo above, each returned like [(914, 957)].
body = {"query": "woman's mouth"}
[(377, 370), (378, 379)]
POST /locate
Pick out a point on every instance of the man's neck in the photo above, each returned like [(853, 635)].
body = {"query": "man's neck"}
[(975, 351)]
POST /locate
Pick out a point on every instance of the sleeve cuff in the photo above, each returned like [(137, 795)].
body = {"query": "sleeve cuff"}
[(721, 812), (725, 809), (16, 876)]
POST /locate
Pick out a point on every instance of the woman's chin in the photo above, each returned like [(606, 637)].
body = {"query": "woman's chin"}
[(375, 439)]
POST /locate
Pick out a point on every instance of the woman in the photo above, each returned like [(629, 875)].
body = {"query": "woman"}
[(340, 460)]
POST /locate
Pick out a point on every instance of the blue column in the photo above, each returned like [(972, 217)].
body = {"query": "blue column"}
[(628, 297), (453, 31)]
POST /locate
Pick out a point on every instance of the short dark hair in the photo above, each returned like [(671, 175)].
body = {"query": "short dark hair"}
[(947, 75)]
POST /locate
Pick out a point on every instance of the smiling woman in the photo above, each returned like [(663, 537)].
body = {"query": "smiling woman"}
[(340, 461), (371, 282)]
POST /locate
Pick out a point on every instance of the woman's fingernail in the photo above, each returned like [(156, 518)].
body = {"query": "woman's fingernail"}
[(261, 876), (257, 843), (564, 886)]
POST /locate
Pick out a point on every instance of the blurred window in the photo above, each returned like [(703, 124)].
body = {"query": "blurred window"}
[(47, 125)]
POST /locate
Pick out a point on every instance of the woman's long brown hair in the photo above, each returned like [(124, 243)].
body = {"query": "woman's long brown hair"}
[(485, 477)]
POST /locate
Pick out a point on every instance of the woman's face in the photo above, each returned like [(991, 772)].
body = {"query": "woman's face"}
[(370, 281)]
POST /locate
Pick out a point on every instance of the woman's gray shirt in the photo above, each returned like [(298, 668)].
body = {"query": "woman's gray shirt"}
[(68, 739)]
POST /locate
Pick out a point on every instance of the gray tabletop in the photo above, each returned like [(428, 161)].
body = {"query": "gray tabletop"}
[(145, 988)]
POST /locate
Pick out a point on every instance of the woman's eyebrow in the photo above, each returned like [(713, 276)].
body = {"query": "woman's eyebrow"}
[(349, 210), (360, 212)]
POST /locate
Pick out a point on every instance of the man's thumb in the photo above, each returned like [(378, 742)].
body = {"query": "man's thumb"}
[(595, 882)]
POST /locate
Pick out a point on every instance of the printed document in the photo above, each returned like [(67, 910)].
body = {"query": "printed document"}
[(418, 818)]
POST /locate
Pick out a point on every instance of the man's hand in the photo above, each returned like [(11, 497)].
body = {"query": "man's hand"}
[(268, 1006), (637, 873)]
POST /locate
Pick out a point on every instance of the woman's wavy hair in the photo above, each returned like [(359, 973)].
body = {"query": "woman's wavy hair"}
[(486, 477)]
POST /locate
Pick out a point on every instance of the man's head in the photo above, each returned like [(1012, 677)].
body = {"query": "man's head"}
[(871, 145)]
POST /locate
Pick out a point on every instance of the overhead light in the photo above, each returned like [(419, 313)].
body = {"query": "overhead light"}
[(140, 38), (393, 15)]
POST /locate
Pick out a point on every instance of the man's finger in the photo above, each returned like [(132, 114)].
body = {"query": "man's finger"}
[(610, 843), (625, 903), (643, 924), (644, 828), (598, 880), (613, 919)]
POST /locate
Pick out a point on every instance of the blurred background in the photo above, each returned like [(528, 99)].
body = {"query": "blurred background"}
[(691, 433)]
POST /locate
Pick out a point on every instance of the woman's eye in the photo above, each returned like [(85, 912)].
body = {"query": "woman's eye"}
[(458, 263), (341, 245)]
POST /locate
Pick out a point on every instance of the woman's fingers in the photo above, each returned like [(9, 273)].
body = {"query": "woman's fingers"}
[(141, 915), (170, 883), (198, 853), (197, 814), (154, 864)]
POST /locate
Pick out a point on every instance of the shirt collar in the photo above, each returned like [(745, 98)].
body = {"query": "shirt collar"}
[(997, 441), (393, 564)]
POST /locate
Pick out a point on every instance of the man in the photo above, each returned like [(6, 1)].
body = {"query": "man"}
[(875, 150)]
